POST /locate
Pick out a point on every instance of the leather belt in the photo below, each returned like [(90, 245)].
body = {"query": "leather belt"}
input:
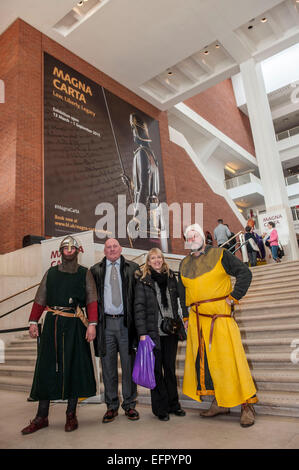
[(214, 317), (64, 312), (113, 316)]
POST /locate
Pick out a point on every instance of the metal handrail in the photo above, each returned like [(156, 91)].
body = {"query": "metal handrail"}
[(15, 309), (21, 292), (231, 239), (12, 330)]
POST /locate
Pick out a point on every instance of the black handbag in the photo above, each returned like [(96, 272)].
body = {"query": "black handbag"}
[(169, 325), (280, 251)]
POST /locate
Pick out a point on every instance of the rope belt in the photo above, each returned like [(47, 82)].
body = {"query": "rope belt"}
[(65, 312), (214, 317)]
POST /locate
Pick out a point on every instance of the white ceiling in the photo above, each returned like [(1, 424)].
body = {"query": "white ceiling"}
[(136, 42)]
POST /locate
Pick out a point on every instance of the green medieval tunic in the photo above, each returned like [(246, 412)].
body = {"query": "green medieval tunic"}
[(64, 367)]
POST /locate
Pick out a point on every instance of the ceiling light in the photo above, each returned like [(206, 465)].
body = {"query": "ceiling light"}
[(170, 72), (264, 20), (206, 52), (80, 3), (217, 46), (250, 27), (230, 169)]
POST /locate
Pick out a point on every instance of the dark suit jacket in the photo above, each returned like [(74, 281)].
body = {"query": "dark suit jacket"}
[(127, 270)]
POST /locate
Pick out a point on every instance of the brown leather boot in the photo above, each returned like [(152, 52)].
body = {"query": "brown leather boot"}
[(36, 424), (247, 415), (214, 410), (71, 422)]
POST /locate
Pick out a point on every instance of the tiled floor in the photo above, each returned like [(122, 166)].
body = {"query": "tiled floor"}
[(189, 432)]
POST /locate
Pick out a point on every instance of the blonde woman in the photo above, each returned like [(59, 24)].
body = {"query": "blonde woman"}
[(156, 296)]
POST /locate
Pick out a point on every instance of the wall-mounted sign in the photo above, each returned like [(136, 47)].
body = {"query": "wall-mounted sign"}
[(103, 168), (281, 224)]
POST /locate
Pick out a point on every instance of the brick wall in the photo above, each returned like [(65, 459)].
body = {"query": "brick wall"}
[(21, 144), (8, 136), (218, 106)]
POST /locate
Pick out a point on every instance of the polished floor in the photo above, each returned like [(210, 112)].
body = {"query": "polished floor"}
[(189, 432)]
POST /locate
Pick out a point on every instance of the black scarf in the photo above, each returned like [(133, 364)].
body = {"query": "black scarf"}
[(162, 281)]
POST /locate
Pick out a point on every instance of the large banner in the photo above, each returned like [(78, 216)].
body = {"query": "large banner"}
[(103, 168), (279, 217)]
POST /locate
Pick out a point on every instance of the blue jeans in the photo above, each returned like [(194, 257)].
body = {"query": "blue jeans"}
[(274, 250)]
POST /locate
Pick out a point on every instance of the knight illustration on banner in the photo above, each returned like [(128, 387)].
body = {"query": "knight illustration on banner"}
[(145, 187)]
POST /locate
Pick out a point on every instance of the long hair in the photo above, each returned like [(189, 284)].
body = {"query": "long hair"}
[(146, 268)]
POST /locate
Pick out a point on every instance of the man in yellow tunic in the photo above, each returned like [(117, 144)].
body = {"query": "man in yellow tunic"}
[(216, 363)]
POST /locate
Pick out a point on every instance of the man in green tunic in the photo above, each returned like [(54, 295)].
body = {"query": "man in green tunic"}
[(64, 368)]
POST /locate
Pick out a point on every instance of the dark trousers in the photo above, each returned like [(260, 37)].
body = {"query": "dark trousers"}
[(44, 405), (117, 342), (165, 395), (252, 258)]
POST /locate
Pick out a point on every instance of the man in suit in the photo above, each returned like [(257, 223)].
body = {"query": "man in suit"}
[(115, 281)]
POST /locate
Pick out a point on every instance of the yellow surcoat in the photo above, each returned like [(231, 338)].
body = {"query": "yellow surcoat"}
[(222, 371)]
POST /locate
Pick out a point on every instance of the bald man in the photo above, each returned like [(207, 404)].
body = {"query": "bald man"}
[(115, 281)]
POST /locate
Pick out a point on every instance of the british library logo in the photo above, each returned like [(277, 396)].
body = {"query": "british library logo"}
[(2, 91)]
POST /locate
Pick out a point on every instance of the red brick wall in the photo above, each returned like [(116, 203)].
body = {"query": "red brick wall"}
[(21, 144), (186, 184), (8, 136), (218, 106)]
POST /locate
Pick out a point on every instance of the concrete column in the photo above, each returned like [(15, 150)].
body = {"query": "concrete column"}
[(267, 153)]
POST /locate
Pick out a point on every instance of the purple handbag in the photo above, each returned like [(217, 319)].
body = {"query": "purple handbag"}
[(144, 365)]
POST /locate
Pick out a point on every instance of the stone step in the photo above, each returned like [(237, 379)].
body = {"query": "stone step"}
[(283, 292), (267, 319), (273, 360), (20, 360), (279, 345), (279, 298), (268, 331), (268, 307), (16, 370), (19, 384), (272, 281), (284, 314), (272, 266), (287, 273), (279, 387), (21, 351), (23, 343), (273, 286), (273, 376), (275, 399)]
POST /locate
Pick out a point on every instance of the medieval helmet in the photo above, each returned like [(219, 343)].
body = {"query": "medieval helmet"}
[(69, 242), (139, 127)]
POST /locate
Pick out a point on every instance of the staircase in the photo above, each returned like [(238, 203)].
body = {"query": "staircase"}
[(268, 318)]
